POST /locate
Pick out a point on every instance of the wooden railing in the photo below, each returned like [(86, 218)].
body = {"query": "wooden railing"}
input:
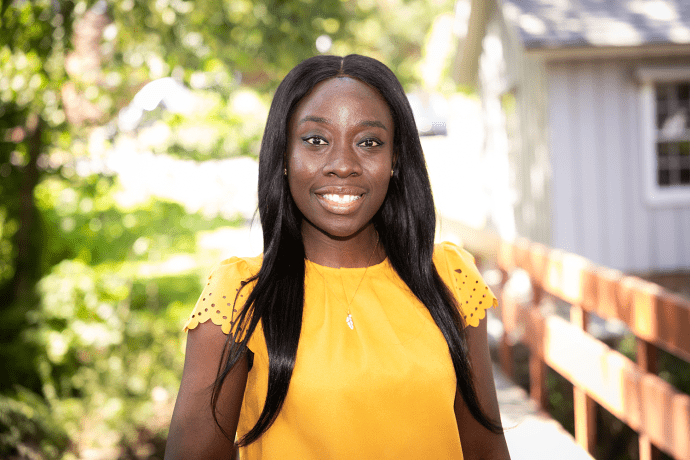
[(629, 390)]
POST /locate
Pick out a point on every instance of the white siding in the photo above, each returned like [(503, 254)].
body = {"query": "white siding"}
[(576, 160), (665, 252), (587, 152), (612, 163), (597, 198), (563, 186), (528, 153), (684, 229), (534, 211), (638, 242)]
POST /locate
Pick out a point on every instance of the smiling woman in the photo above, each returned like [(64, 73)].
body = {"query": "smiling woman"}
[(351, 336), (339, 160)]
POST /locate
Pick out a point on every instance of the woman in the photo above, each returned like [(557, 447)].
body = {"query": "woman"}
[(351, 337)]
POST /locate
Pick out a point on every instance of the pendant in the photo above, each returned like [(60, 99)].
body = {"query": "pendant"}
[(349, 321)]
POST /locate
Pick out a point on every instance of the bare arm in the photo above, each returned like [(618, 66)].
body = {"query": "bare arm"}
[(193, 431), (478, 443)]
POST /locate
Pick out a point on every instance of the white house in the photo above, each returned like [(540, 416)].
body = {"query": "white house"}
[(588, 104)]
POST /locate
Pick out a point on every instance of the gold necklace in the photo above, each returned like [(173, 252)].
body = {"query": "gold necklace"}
[(348, 319)]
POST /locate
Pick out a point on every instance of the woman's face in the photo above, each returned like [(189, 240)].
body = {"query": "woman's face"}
[(340, 155)]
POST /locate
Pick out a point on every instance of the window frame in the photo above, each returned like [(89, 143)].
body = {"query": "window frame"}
[(654, 194)]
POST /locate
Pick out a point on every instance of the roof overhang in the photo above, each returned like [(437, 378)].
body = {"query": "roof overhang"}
[(584, 29), (575, 53)]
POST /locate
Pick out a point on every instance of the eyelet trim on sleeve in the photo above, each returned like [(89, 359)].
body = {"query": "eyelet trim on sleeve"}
[(456, 267), (221, 299)]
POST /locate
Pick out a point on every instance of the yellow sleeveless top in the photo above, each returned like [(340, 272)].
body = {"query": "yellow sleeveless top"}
[(383, 390)]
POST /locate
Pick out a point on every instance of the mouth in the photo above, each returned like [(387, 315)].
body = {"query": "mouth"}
[(340, 203), (340, 199)]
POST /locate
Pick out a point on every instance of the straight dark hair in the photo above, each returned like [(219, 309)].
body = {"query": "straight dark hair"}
[(406, 224)]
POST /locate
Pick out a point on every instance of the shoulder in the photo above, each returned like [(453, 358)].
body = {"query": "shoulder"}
[(457, 268), (234, 270), (224, 292), (449, 255)]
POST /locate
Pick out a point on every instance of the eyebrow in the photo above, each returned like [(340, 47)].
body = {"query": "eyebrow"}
[(373, 124), (370, 123), (314, 119)]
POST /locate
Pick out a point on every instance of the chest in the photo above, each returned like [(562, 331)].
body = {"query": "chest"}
[(394, 350)]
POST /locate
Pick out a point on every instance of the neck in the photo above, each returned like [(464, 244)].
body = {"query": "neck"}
[(359, 250)]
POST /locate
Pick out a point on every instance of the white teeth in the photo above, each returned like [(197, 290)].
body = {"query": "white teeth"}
[(341, 199)]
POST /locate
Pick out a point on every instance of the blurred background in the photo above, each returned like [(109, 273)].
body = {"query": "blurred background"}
[(129, 140)]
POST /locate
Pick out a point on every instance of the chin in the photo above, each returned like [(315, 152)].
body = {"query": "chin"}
[(340, 232)]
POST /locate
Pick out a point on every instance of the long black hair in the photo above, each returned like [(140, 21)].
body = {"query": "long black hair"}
[(406, 224)]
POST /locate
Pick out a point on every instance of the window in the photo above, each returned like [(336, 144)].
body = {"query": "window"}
[(666, 134), (673, 134)]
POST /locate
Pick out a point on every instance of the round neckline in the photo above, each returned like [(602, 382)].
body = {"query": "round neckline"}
[(347, 269)]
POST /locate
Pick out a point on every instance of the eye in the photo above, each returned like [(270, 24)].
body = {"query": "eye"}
[(371, 142), (315, 140)]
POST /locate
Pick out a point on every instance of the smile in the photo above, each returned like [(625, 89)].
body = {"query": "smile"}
[(340, 204), (341, 199)]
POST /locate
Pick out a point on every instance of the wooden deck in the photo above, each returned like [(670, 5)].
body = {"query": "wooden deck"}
[(531, 434)]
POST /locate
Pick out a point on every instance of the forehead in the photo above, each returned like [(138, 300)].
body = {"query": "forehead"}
[(339, 96)]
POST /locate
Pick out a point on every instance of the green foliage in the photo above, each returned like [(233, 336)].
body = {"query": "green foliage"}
[(28, 427), (12, 161), (104, 344), (615, 439), (105, 340), (675, 371), (33, 39), (218, 129), (83, 221), (561, 407), (258, 42), (671, 368), (8, 228), (110, 357)]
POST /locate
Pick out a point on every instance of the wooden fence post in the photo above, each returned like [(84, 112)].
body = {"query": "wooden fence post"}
[(647, 362), (585, 407), (505, 349), (537, 366)]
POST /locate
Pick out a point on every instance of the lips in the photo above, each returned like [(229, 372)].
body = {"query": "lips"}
[(339, 200)]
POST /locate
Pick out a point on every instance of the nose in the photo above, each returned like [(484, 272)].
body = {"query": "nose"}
[(343, 161)]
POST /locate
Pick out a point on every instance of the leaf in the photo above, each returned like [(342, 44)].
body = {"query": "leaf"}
[(4, 6)]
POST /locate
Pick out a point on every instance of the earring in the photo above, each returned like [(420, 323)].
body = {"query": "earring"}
[(284, 171), (391, 173)]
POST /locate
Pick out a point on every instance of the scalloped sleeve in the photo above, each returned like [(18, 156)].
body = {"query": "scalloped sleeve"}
[(456, 267), (221, 298)]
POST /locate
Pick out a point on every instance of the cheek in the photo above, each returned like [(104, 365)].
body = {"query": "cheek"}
[(384, 188), (381, 175), (380, 184), (300, 175), (300, 163), (295, 185)]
